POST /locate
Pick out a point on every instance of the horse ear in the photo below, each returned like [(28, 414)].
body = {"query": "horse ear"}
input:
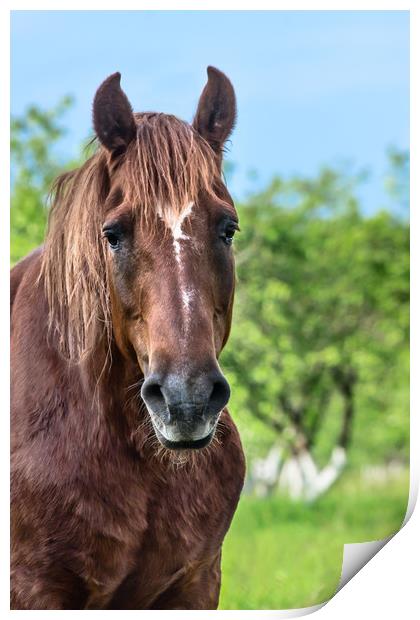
[(113, 117), (216, 112)]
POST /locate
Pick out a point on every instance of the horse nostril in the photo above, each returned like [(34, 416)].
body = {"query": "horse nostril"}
[(151, 393), (219, 396)]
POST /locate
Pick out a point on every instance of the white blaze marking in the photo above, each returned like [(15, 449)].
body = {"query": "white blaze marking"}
[(187, 296), (174, 222)]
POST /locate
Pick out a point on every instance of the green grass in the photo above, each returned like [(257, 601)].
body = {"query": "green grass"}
[(281, 555)]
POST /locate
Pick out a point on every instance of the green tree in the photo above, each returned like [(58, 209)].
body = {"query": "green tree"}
[(397, 181), (321, 316), (35, 164)]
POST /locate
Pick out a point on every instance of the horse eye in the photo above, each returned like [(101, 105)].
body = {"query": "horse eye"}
[(113, 239), (228, 234), (229, 237)]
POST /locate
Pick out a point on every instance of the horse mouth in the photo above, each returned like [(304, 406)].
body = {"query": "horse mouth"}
[(184, 444)]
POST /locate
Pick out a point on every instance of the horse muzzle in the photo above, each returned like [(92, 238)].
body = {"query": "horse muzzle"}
[(185, 410)]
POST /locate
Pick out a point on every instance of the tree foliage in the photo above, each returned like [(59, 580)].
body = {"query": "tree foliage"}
[(321, 316), (35, 164)]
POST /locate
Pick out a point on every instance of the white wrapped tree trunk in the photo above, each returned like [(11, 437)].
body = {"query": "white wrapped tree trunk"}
[(298, 476), (302, 479)]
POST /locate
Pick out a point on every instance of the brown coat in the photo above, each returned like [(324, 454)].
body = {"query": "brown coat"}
[(100, 519)]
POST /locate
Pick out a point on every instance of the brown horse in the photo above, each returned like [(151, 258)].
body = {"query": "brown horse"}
[(126, 466)]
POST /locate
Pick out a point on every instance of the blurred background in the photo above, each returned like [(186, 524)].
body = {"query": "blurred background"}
[(319, 169)]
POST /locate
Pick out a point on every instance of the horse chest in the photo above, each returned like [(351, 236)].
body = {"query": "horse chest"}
[(186, 524), (180, 520), (146, 517)]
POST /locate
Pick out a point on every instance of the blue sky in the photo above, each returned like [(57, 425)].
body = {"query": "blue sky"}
[(313, 87)]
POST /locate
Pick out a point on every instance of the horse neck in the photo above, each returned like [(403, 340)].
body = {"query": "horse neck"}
[(111, 383)]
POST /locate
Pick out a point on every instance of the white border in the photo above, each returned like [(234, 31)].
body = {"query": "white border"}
[(387, 585)]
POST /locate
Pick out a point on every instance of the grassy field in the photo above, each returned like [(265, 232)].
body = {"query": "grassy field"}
[(279, 554)]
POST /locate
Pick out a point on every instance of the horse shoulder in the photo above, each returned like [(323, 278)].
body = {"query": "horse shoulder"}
[(20, 270), (232, 459)]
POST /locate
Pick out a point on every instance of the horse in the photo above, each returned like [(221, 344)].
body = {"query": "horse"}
[(126, 467)]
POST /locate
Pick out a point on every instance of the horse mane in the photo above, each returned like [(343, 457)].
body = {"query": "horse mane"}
[(168, 165)]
